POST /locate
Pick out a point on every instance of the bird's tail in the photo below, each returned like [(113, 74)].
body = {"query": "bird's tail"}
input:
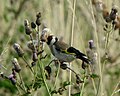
[(79, 55)]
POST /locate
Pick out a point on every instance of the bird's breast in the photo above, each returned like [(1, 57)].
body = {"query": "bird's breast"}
[(61, 56)]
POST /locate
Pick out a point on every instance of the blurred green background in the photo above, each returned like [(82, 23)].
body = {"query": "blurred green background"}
[(57, 15)]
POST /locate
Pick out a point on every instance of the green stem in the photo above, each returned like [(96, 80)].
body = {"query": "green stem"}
[(43, 77), (28, 65), (98, 87), (71, 39), (93, 82), (18, 90), (21, 87), (115, 88), (83, 85), (21, 81), (38, 38), (56, 76)]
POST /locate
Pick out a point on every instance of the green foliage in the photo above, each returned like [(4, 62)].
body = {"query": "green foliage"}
[(8, 86)]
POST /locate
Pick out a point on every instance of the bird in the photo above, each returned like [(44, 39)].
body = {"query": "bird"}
[(61, 50)]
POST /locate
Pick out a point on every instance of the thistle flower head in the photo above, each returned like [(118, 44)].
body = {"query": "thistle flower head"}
[(16, 65), (26, 22), (18, 49), (45, 33), (28, 30), (91, 44)]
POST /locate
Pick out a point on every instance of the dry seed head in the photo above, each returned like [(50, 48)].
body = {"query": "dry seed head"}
[(38, 15), (16, 65), (12, 79), (91, 44), (33, 25), (35, 57), (38, 21), (45, 33), (113, 14), (31, 46), (11, 76), (18, 49), (28, 30)]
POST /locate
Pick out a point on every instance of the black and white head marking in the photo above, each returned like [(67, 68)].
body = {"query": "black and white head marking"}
[(51, 40)]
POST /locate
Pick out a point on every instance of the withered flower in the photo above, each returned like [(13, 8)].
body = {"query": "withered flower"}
[(18, 49), (16, 65)]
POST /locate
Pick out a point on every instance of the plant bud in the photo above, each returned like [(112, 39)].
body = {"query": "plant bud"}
[(26, 23), (91, 44), (35, 57), (10, 76), (30, 45), (28, 30), (38, 21), (13, 81), (33, 25), (18, 49), (16, 65), (38, 15), (113, 14)]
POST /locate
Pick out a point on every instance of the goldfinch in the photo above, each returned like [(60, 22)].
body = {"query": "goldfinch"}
[(62, 51)]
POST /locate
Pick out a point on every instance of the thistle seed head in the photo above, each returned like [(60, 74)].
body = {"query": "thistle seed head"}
[(38, 15), (16, 65), (18, 49), (35, 57)]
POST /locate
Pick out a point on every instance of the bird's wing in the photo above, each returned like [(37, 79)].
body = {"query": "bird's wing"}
[(61, 46)]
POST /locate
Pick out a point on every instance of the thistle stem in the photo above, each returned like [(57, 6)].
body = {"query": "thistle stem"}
[(71, 41)]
